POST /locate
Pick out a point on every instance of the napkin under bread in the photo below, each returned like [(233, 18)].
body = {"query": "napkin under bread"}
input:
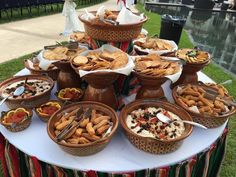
[(127, 17)]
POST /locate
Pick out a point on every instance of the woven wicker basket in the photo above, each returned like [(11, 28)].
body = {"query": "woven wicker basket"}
[(31, 102), (150, 144), (209, 121), (112, 33), (19, 126), (89, 148)]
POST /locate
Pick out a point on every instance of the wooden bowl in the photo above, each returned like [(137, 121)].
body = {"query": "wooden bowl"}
[(209, 121), (53, 73), (45, 117), (68, 99), (18, 126), (67, 77), (150, 144), (189, 73), (150, 86), (112, 33), (30, 102), (100, 87), (89, 148)]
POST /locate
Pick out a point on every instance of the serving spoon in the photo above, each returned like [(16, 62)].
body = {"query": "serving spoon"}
[(167, 120), (17, 92)]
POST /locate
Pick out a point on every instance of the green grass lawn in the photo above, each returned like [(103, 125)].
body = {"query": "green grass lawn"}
[(50, 9), (9, 68)]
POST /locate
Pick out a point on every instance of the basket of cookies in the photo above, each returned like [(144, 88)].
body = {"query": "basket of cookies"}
[(83, 128), (106, 25), (147, 45), (58, 53), (100, 68), (105, 59), (141, 124), (209, 105), (152, 71)]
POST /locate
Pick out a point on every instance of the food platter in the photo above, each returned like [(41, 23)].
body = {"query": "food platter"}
[(85, 135), (130, 158)]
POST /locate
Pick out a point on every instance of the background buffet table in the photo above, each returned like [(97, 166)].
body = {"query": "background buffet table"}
[(32, 153)]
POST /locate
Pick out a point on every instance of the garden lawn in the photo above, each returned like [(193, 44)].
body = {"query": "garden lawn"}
[(9, 68), (50, 9)]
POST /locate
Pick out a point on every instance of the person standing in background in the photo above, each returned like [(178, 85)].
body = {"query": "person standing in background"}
[(121, 3), (72, 21), (126, 3)]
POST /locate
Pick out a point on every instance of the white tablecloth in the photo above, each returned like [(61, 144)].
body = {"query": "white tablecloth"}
[(119, 156)]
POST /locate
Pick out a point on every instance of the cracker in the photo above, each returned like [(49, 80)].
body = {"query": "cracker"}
[(80, 60)]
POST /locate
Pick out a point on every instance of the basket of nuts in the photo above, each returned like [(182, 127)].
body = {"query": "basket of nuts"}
[(83, 128)]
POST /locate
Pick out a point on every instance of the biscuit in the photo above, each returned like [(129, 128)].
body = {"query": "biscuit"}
[(154, 65), (80, 60)]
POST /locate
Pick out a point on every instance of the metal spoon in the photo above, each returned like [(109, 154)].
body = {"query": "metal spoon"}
[(213, 95), (79, 117), (17, 92), (167, 120)]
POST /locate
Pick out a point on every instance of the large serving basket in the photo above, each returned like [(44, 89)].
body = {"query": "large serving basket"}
[(209, 121), (152, 145), (112, 33), (32, 101), (88, 148)]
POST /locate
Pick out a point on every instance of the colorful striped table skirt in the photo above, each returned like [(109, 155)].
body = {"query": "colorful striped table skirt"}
[(15, 163)]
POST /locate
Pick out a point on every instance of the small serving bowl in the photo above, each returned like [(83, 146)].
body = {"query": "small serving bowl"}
[(152, 145), (88, 148), (16, 126), (32, 101), (46, 116), (61, 94)]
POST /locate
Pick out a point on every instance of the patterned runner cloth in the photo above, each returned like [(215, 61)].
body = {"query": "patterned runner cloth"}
[(15, 163)]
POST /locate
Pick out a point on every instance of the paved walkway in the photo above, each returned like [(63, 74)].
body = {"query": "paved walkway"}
[(27, 36)]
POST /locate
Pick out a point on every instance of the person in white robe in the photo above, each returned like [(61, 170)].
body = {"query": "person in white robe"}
[(129, 3), (121, 4), (72, 22)]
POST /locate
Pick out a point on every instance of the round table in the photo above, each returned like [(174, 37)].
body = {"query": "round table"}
[(119, 156)]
